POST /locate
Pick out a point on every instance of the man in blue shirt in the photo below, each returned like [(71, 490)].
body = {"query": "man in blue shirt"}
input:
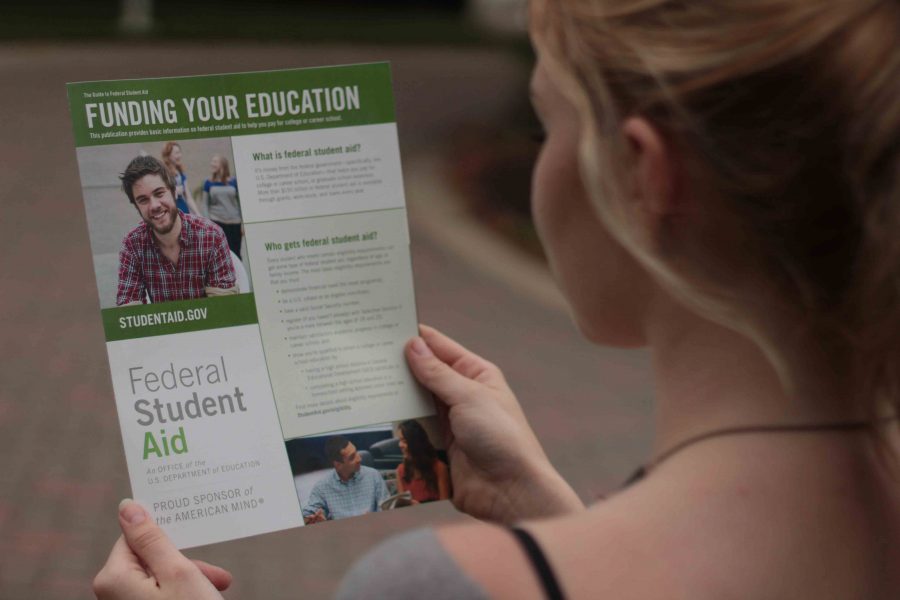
[(349, 490)]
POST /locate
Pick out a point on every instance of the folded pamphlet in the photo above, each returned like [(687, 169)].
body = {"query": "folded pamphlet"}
[(251, 248)]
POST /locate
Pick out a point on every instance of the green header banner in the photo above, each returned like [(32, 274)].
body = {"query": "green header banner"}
[(145, 110), (165, 318)]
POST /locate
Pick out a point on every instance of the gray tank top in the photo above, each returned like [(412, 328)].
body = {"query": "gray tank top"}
[(409, 566)]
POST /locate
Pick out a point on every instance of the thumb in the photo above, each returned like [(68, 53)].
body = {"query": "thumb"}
[(146, 539), (219, 577), (436, 375)]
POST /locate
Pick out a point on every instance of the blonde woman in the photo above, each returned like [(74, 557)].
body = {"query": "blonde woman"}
[(720, 182), (220, 196), (172, 157)]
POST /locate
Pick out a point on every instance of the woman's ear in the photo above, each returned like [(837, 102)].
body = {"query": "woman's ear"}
[(654, 189)]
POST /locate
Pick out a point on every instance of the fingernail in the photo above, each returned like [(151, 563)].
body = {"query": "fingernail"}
[(131, 511), (420, 347)]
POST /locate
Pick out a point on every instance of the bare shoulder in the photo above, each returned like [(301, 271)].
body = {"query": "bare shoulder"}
[(492, 557), (602, 552), (779, 523), (778, 527)]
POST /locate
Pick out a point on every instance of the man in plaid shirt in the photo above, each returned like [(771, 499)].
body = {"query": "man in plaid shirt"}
[(170, 255), (350, 490)]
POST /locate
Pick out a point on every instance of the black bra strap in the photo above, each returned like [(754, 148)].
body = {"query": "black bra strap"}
[(636, 476), (540, 564)]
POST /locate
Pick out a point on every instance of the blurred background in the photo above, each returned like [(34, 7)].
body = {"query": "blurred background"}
[(467, 139)]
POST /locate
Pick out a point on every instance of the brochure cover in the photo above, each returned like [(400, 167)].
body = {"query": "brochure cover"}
[(251, 249)]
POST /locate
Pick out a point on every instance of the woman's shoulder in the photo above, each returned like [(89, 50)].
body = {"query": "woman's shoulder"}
[(467, 562), (724, 537), (481, 560), (492, 557), (594, 553), (607, 551)]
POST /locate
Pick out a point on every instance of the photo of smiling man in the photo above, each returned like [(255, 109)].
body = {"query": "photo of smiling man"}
[(170, 255)]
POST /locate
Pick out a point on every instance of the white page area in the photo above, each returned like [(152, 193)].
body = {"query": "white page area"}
[(201, 433), (334, 319), (328, 247), (280, 176)]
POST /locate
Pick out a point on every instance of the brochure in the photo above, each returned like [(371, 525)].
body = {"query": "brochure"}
[(251, 248)]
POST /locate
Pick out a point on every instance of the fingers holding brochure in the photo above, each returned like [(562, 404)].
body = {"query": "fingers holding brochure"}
[(499, 470), (144, 564)]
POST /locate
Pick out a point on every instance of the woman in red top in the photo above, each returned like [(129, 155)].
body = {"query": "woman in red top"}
[(421, 473)]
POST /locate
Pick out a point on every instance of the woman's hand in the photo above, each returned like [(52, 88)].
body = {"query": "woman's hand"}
[(498, 468), (144, 565)]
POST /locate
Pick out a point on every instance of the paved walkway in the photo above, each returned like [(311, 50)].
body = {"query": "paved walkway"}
[(63, 470)]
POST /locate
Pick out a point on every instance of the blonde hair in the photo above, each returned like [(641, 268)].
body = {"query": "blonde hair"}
[(224, 172), (167, 157), (789, 112)]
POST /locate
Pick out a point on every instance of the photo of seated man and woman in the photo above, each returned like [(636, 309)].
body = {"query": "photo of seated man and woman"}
[(156, 236), (371, 469)]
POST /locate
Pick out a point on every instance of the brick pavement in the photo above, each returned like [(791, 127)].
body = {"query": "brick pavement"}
[(63, 470)]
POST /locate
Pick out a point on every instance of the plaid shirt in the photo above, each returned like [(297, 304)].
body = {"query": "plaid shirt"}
[(204, 261), (362, 493)]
